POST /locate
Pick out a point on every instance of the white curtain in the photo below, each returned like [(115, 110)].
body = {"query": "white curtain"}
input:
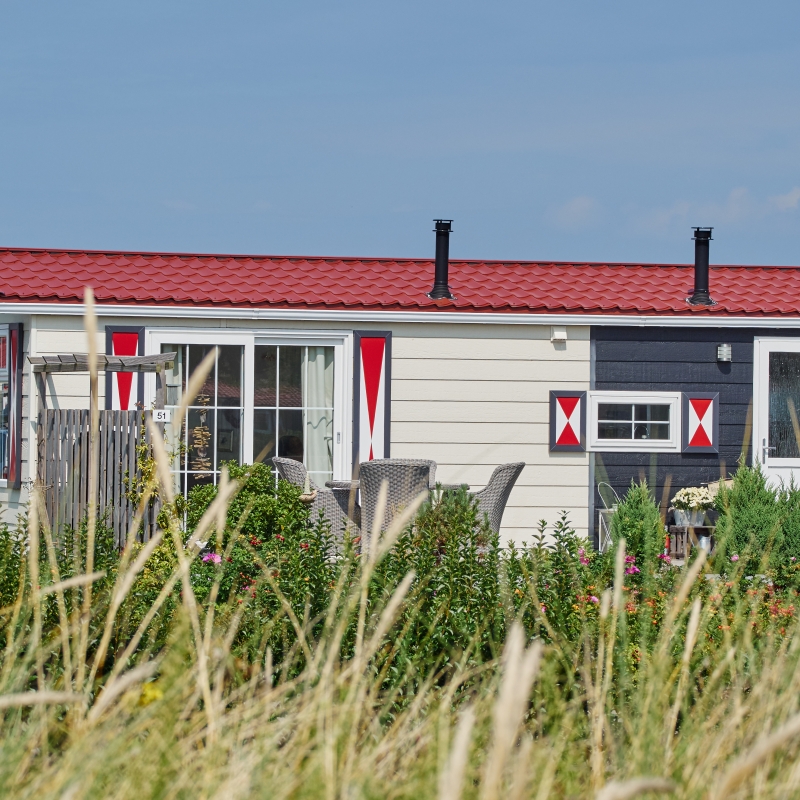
[(318, 410)]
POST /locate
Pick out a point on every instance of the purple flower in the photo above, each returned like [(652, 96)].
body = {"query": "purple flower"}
[(216, 558), (593, 599), (734, 557)]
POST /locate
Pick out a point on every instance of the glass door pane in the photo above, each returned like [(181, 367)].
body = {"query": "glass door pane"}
[(784, 405)]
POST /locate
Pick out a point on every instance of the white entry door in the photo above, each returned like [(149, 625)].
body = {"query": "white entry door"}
[(776, 407)]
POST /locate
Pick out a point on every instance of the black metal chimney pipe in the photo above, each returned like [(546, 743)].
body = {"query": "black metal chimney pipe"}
[(700, 297), (440, 279)]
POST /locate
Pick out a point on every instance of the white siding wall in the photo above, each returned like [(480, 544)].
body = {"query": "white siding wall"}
[(469, 396), (472, 397)]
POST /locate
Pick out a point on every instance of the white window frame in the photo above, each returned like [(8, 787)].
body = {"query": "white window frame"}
[(341, 341), (671, 445)]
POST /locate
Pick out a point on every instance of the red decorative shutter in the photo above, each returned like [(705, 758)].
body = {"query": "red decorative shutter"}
[(124, 389), (568, 422), (15, 356), (372, 395), (700, 423)]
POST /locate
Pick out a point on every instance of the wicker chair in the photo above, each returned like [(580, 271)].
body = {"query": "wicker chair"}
[(415, 461), (493, 498), (406, 478), (334, 503)]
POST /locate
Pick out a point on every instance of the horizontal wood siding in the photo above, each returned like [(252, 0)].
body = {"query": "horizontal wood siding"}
[(677, 360), (481, 398)]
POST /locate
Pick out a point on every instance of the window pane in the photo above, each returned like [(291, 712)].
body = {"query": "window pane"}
[(175, 439), (319, 440), (614, 411), (175, 377), (197, 352), (198, 479), (290, 392), (647, 430), (656, 413), (266, 371), (229, 436), (318, 378), (201, 438), (229, 387), (290, 434), (263, 435), (784, 404), (612, 430)]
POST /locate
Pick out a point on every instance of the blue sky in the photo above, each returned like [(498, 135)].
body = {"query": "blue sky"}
[(547, 130)]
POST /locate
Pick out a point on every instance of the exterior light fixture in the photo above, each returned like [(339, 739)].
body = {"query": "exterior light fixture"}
[(724, 353)]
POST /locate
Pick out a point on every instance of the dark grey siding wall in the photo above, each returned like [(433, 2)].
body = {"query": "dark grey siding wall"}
[(682, 360)]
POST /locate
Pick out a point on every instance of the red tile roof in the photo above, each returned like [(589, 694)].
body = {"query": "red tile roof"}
[(59, 276)]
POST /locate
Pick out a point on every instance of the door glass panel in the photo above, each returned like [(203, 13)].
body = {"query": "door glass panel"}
[(265, 378), (212, 431), (229, 386), (784, 405), (263, 435), (290, 392), (290, 434)]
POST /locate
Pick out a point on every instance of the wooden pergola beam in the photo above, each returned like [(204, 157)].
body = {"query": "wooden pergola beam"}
[(79, 362)]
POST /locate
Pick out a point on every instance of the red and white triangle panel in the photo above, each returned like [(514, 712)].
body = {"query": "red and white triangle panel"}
[(372, 402), (568, 421), (701, 422), (123, 386)]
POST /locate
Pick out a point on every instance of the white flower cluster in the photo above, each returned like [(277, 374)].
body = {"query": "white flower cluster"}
[(692, 498)]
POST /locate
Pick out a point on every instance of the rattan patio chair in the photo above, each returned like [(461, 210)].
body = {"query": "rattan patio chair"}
[(334, 503), (416, 461), (493, 497), (406, 478)]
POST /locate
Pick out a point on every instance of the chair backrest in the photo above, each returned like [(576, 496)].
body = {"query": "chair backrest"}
[(293, 471), (405, 479), (493, 498), (403, 461)]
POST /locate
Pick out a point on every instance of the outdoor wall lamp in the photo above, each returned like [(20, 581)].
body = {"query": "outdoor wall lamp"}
[(724, 353)]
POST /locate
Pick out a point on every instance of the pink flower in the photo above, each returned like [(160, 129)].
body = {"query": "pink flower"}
[(793, 558), (632, 570), (630, 559), (734, 557), (664, 557), (216, 558), (593, 599), (584, 560), (544, 609)]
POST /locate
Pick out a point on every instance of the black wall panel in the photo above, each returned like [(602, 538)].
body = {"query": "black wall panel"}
[(677, 360)]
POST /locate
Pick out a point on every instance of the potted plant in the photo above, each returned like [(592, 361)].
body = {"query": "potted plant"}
[(690, 506)]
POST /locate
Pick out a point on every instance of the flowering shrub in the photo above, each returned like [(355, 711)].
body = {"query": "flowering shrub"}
[(692, 498)]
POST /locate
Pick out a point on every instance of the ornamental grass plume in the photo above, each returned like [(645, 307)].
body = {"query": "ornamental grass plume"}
[(672, 683)]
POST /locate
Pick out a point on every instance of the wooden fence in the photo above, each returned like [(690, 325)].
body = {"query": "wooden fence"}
[(63, 468)]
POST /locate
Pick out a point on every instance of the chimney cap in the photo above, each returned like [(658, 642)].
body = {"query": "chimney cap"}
[(702, 233), (443, 224)]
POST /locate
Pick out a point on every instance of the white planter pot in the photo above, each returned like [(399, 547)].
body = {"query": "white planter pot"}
[(689, 519)]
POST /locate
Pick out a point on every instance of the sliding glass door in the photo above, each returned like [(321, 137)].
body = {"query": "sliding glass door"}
[(265, 396)]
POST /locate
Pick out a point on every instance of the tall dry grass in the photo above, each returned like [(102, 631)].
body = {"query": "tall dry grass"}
[(582, 718)]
